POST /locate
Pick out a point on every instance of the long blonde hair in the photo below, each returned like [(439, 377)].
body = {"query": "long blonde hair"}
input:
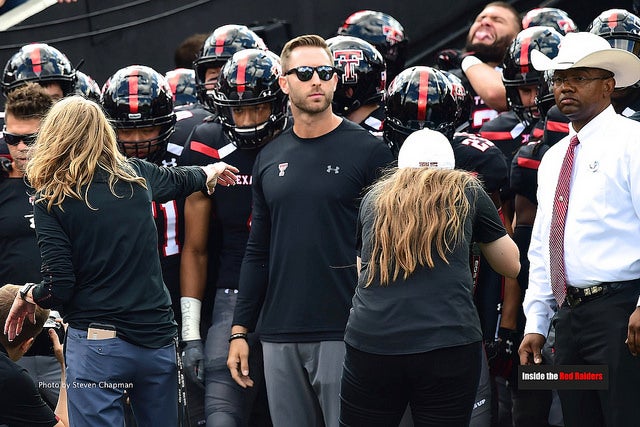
[(74, 141), (415, 210)]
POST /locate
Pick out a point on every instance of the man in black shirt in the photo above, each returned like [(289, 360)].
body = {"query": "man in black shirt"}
[(299, 266)]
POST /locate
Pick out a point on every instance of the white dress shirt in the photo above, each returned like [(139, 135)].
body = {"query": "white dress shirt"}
[(602, 232)]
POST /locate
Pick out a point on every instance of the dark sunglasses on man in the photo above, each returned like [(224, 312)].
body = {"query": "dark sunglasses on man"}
[(305, 72), (14, 139)]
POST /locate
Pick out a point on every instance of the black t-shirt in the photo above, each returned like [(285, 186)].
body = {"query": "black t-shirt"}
[(433, 308), (20, 403), (102, 264), (299, 266)]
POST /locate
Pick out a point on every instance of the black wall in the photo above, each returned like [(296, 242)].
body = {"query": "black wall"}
[(110, 34)]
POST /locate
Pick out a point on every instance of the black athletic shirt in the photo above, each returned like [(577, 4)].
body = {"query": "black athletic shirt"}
[(433, 308), (299, 266), (102, 264)]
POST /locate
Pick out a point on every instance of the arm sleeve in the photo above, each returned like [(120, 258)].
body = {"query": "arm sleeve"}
[(379, 160), (57, 268), (171, 183), (254, 273)]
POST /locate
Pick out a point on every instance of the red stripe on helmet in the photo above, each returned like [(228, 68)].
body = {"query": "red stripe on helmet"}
[(133, 92), (423, 94), (222, 37), (173, 84), (524, 55), (612, 21), (36, 61), (241, 74)]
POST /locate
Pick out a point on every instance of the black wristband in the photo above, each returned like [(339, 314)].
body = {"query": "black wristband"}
[(238, 336)]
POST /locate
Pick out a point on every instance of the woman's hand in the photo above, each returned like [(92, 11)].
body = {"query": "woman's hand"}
[(220, 173)]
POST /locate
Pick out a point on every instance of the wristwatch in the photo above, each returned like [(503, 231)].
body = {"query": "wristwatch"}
[(24, 290)]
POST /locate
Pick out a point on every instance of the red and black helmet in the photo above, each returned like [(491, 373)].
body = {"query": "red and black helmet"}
[(549, 17), (620, 28), (517, 69), (38, 63), (217, 48), (384, 32), (363, 73), (250, 78), (138, 97), (463, 100), (183, 86), (87, 87), (419, 97)]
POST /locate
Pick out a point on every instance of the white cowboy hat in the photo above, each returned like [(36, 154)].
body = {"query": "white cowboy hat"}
[(591, 51), (426, 148)]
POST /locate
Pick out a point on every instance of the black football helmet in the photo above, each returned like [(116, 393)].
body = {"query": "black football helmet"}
[(38, 63), (183, 86), (463, 100), (419, 97), (87, 87), (217, 48), (549, 17), (250, 78), (138, 97), (363, 74), (384, 32), (620, 28), (517, 69)]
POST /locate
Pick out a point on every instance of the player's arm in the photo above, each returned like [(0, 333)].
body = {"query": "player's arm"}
[(487, 82)]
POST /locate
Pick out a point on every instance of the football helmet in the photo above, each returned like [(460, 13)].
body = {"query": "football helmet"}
[(362, 79), (183, 86), (217, 48), (384, 32), (517, 69), (87, 87), (463, 100), (549, 17), (419, 97), (138, 97), (620, 28), (38, 63), (250, 78)]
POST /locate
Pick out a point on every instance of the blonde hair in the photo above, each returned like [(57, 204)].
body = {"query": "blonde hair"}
[(74, 141), (307, 40), (416, 210)]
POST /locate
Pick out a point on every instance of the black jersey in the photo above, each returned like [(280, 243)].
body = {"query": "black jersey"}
[(187, 118), (509, 133), (524, 170), (556, 126), (480, 156), (480, 111), (231, 205), (299, 266)]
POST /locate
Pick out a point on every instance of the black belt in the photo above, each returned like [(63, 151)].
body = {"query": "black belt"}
[(576, 296)]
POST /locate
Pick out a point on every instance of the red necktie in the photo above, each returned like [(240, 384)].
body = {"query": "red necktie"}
[(558, 219)]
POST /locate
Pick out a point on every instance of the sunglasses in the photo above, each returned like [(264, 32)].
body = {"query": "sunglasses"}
[(13, 139), (305, 72)]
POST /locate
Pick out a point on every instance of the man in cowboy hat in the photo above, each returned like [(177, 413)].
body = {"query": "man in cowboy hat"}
[(584, 253)]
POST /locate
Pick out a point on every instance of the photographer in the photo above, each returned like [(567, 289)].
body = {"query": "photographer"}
[(20, 402)]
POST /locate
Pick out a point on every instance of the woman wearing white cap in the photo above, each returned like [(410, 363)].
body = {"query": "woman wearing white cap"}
[(413, 335)]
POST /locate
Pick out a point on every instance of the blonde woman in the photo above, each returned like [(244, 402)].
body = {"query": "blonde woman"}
[(413, 335), (100, 263)]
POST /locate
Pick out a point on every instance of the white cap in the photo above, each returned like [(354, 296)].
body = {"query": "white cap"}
[(426, 148)]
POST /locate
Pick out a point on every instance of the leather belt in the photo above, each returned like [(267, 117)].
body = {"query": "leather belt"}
[(576, 296)]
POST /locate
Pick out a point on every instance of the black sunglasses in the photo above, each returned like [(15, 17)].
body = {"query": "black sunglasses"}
[(305, 72), (13, 139)]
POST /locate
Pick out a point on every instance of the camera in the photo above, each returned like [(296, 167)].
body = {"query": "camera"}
[(51, 323)]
